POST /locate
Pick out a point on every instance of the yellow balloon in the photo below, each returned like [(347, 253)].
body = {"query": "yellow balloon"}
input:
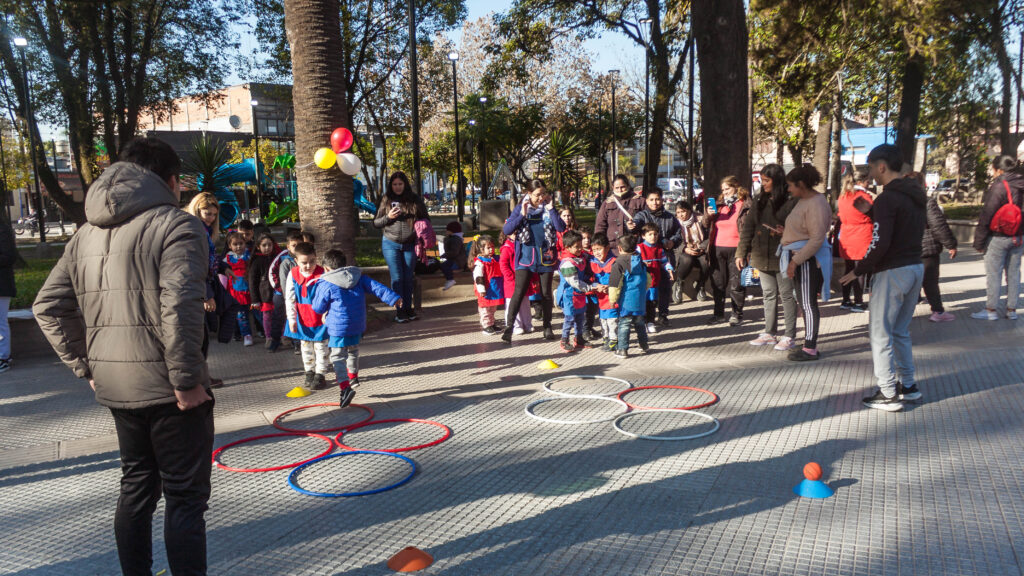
[(325, 158)]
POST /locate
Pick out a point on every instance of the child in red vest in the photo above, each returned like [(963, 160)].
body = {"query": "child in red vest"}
[(237, 260), (601, 261), (654, 259), (489, 282), (304, 324), (573, 288)]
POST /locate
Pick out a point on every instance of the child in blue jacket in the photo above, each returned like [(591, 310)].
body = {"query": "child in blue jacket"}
[(341, 293), (628, 284)]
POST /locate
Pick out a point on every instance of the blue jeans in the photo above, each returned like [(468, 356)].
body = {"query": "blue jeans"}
[(571, 323), (625, 323), (401, 259), (894, 296), (5, 329), (1002, 254), (448, 268)]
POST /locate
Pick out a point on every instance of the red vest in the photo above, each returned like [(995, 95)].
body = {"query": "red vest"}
[(304, 297), (651, 255)]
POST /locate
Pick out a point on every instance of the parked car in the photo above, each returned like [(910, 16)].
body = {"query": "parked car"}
[(947, 191)]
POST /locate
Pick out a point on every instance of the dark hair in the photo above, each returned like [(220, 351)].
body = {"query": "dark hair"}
[(586, 230), (684, 205), (305, 249), (571, 237), (233, 236), (624, 178), (308, 237), (627, 243), (1004, 163), (536, 183), (654, 190), (245, 225), (650, 227), (807, 175), (776, 174), (261, 238), (408, 197), (152, 154), (478, 244), (293, 235), (889, 154), (333, 259), (599, 239)]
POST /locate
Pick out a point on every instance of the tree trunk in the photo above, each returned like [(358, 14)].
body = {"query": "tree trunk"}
[(326, 206), (720, 27), (836, 172), (796, 153), (910, 107), (823, 141), (1007, 143)]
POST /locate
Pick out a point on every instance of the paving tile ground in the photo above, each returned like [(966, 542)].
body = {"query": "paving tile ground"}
[(936, 489)]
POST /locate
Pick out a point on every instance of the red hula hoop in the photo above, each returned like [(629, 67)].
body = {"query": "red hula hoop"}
[(271, 468), (447, 433), (714, 397), (284, 428)]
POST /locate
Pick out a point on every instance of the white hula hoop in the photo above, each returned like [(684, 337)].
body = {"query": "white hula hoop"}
[(530, 413), (547, 385), (714, 429)]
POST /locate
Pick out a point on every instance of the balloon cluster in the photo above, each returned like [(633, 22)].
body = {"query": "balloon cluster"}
[(341, 141)]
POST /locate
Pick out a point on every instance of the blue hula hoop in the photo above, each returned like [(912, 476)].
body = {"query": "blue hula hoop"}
[(299, 489)]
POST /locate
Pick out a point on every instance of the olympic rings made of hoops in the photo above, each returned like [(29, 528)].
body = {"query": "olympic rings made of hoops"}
[(666, 438), (271, 468), (277, 424), (547, 385), (447, 433), (530, 413), (714, 397), (299, 489)]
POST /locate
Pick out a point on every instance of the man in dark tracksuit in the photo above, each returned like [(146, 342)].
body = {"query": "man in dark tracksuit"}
[(671, 235)]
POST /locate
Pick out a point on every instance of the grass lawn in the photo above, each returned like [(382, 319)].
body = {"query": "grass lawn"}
[(29, 280), (959, 211)]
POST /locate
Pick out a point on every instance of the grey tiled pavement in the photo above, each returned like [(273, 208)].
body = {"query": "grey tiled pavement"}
[(937, 489)]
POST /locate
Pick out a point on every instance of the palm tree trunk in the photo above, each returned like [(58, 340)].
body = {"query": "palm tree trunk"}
[(326, 206)]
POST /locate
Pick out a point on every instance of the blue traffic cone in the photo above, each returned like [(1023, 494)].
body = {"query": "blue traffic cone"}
[(812, 486)]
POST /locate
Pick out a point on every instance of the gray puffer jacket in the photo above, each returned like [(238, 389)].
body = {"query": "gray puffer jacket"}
[(124, 305)]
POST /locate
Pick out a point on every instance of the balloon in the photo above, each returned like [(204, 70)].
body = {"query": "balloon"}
[(341, 140), (349, 163), (325, 158)]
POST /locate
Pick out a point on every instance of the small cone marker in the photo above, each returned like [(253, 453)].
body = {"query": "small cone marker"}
[(410, 559), (547, 365), (812, 486), (298, 392)]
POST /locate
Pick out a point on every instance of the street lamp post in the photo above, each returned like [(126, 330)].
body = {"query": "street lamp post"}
[(691, 145), (460, 195), (483, 160), (472, 173), (415, 95), (256, 157), (615, 155), (648, 184), (22, 43)]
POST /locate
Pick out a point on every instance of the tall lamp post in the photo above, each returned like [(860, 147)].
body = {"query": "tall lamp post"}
[(22, 43), (460, 194), (483, 158), (256, 157), (648, 184), (615, 154), (414, 86), (472, 169)]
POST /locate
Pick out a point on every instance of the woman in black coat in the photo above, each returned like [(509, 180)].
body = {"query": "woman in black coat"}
[(937, 236), (8, 255)]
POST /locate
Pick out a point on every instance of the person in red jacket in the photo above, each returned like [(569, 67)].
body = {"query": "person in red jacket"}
[(521, 320), (855, 229)]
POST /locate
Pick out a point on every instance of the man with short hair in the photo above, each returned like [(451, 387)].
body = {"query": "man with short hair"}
[(894, 259), (124, 309)]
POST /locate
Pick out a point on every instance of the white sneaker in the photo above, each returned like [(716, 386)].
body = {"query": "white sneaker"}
[(785, 343), (448, 284), (517, 331), (651, 328), (763, 340), (985, 315), (1011, 314), (247, 341)]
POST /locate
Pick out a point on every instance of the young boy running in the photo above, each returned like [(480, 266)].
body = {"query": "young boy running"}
[(305, 325)]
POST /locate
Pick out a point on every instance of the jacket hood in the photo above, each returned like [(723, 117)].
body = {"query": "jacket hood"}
[(124, 190), (910, 188), (346, 277)]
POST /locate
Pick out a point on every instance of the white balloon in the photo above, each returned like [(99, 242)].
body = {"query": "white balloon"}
[(349, 163)]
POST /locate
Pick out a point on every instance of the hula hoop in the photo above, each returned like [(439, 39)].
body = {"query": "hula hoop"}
[(299, 489), (270, 468), (714, 398), (447, 433), (666, 438), (282, 427), (530, 413), (547, 386)]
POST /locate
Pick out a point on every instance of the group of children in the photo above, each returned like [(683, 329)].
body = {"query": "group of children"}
[(620, 290)]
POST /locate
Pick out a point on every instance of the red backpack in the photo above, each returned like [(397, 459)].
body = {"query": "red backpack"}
[(1007, 219)]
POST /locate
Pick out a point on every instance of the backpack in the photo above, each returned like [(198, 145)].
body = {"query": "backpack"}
[(1007, 219)]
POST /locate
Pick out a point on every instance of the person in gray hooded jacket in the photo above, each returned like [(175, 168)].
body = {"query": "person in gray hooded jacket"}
[(123, 308)]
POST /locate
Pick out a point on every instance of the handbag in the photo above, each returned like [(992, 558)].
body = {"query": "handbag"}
[(749, 276)]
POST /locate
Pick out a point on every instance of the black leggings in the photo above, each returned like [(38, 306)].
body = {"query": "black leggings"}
[(931, 283), (523, 284), (856, 286), (808, 282), (726, 280)]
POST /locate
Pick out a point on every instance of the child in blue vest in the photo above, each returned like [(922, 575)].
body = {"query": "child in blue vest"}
[(601, 261), (628, 284), (488, 281), (304, 324), (341, 293), (573, 288)]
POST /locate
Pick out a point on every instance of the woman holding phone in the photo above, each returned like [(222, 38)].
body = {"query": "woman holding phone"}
[(726, 217), (536, 225), (399, 210)]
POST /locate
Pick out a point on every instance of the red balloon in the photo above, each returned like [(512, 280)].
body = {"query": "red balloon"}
[(341, 140)]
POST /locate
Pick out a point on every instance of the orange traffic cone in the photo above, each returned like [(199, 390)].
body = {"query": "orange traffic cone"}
[(410, 559)]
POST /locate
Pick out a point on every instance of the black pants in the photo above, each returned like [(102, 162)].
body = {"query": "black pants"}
[(857, 286), (931, 283), (523, 284), (228, 321), (808, 282), (684, 265), (726, 278), (163, 450)]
